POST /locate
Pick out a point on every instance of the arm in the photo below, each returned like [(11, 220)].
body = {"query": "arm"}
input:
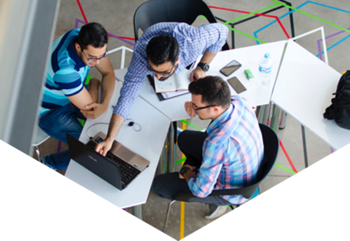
[(132, 85), (198, 72), (94, 110), (203, 183), (69, 81), (114, 127), (215, 35)]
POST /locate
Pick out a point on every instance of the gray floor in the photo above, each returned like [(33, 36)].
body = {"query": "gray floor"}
[(117, 17)]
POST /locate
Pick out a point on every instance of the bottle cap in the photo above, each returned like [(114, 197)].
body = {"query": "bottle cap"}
[(267, 55)]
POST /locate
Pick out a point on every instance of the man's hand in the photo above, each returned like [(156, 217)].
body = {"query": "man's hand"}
[(94, 110), (189, 109), (188, 174), (197, 73), (103, 147)]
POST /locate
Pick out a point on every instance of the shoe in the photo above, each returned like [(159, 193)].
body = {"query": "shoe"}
[(215, 211), (47, 166), (43, 161)]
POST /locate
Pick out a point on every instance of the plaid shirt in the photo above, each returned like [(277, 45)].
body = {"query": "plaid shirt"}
[(193, 41), (232, 152)]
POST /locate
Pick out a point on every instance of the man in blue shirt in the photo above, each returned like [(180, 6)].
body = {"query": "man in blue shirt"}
[(162, 50), (65, 99)]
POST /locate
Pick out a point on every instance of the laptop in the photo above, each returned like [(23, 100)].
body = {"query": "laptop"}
[(119, 167)]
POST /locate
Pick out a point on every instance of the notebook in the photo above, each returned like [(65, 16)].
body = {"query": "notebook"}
[(119, 167)]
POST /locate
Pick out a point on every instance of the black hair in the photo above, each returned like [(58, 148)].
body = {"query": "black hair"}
[(162, 48), (92, 34), (213, 89)]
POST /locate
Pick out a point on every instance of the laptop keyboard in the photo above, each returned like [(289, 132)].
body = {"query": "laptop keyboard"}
[(127, 172)]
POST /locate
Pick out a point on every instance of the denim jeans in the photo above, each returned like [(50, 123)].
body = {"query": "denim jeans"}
[(56, 123)]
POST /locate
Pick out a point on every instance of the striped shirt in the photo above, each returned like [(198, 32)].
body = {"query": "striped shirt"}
[(232, 152), (65, 75), (193, 41)]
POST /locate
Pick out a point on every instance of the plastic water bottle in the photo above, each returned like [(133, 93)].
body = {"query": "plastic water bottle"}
[(265, 68)]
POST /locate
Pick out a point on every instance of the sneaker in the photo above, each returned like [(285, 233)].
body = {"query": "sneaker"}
[(215, 211), (43, 161), (47, 166)]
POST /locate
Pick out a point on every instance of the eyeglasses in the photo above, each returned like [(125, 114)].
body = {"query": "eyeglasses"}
[(162, 73), (200, 108), (94, 59)]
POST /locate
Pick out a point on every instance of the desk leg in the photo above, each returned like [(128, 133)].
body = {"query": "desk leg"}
[(169, 149), (263, 113), (173, 146), (275, 118), (137, 211), (283, 122), (304, 146)]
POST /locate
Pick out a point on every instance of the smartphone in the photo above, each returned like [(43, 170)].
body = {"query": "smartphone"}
[(230, 68), (237, 85)]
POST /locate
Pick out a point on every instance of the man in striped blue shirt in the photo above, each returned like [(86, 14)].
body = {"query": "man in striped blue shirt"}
[(65, 99), (162, 50), (226, 156)]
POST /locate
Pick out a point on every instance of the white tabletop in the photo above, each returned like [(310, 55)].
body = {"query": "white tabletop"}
[(304, 90), (148, 143), (249, 57), (173, 108)]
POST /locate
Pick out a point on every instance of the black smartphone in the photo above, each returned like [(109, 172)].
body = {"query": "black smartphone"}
[(237, 85), (230, 67)]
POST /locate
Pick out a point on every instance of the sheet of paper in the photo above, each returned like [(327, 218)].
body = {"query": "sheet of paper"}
[(173, 94), (167, 85)]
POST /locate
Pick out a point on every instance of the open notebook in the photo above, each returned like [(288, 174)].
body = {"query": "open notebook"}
[(175, 85)]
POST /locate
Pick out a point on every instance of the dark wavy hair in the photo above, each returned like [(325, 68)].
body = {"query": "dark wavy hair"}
[(162, 48), (92, 34), (213, 89)]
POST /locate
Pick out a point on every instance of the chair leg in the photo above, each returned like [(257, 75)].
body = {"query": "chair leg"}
[(38, 153), (233, 207), (167, 216)]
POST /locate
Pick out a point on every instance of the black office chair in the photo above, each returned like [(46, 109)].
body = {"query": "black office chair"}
[(156, 11), (271, 145)]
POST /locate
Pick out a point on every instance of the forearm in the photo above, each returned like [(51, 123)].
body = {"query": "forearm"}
[(107, 88), (93, 88), (114, 126), (207, 57)]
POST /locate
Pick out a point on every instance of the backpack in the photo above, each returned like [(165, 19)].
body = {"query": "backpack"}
[(339, 110)]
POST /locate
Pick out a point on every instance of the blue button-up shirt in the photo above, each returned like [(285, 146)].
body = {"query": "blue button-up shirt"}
[(193, 41), (232, 152)]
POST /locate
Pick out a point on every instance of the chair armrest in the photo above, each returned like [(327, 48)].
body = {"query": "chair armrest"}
[(246, 192)]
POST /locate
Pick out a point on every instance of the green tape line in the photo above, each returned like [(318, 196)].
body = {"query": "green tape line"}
[(88, 78), (252, 13), (312, 16), (190, 124), (181, 160), (247, 35), (286, 169)]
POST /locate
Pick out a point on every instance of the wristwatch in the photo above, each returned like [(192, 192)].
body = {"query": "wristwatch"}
[(183, 170), (203, 66)]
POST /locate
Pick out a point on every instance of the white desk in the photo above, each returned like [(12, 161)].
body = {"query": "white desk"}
[(249, 57), (148, 143), (304, 90)]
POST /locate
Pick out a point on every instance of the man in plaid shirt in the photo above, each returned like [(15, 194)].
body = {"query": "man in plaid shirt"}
[(226, 156)]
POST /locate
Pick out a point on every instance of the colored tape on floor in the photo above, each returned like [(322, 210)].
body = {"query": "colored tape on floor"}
[(257, 14), (312, 16)]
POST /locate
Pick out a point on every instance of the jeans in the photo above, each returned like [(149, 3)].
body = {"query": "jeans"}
[(56, 123), (168, 184)]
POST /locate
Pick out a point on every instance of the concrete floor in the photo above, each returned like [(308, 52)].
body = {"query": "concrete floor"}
[(117, 18)]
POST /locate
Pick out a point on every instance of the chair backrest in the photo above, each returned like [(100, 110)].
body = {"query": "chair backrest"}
[(271, 146), (156, 11)]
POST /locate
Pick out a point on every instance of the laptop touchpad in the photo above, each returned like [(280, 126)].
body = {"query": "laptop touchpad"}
[(124, 154)]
